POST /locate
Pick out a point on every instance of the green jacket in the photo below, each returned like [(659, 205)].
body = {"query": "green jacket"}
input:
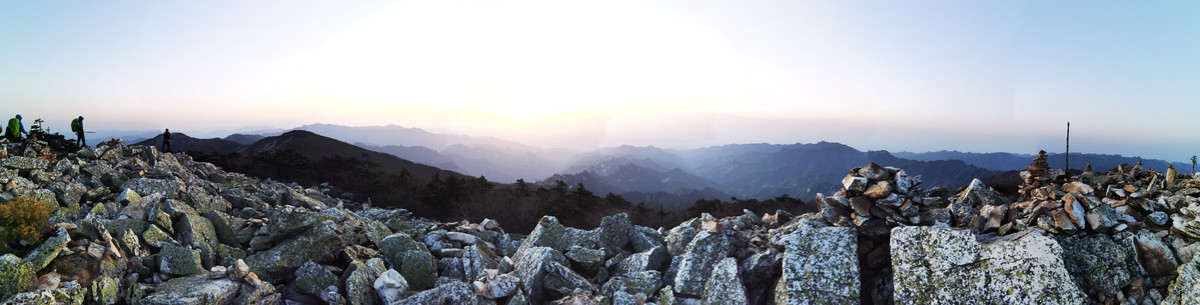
[(14, 128)]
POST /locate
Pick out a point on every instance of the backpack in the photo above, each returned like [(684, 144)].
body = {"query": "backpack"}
[(13, 128), (75, 125)]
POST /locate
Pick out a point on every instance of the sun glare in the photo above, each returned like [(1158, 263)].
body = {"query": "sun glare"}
[(525, 64)]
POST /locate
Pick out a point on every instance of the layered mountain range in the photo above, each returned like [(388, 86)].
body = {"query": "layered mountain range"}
[(657, 176)]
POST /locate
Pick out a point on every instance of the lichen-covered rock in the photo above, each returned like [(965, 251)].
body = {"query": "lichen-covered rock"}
[(418, 268), (194, 290), (761, 266), (105, 290), (614, 231), (395, 245), (23, 163), (938, 266), (695, 265), (561, 279), (643, 238), (321, 244), (157, 237), (391, 286), (15, 273), (178, 260), (226, 227), (651, 259), (1186, 288), (450, 293), (39, 258), (590, 259), (359, 279), (725, 284), (819, 264), (312, 278), (679, 237), (548, 233), (497, 286), (476, 259), (262, 294), (70, 294), (532, 266), (127, 196), (1096, 263), (645, 282), (146, 186), (197, 232)]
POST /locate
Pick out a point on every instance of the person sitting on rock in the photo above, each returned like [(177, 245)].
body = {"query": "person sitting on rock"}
[(166, 137), (77, 127), (15, 129)]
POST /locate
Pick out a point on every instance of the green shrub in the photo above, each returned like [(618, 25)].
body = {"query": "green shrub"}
[(24, 218)]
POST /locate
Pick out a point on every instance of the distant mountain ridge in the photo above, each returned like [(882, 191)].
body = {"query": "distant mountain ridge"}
[(1010, 161), (757, 171), (305, 143)]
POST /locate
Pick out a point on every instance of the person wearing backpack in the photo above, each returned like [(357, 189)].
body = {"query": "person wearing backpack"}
[(166, 141), (77, 127), (15, 129)]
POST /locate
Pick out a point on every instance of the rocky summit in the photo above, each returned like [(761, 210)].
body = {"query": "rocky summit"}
[(132, 225)]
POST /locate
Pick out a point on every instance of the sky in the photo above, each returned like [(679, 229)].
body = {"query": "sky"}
[(979, 76)]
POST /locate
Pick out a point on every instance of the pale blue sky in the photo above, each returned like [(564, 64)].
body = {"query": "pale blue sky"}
[(903, 75)]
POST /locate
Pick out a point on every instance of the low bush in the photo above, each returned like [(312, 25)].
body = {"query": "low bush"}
[(24, 218)]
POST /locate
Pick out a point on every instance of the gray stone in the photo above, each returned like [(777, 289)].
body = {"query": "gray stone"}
[(23, 163), (978, 194), (532, 266), (695, 265), (169, 188), (1186, 287), (1097, 263), (725, 284), (1158, 218), (454, 292), (39, 258), (71, 293), (937, 265), (561, 279), (178, 260), (320, 245), (856, 184), (476, 259), (127, 196), (391, 286), (359, 279), (194, 290), (819, 264), (1155, 257), (678, 238), (590, 259), (312, 278), (652, 259), (15, 273), (614, 231), (643, 282), (498, 286), (643, 238)]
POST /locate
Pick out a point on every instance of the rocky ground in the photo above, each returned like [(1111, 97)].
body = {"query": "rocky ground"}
[(136, 226)]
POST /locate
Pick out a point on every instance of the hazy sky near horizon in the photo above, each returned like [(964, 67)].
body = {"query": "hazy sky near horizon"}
[(913, 75)]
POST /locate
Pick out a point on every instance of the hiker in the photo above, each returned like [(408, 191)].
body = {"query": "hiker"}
[(77, 127), (166, 147), (15, 129)]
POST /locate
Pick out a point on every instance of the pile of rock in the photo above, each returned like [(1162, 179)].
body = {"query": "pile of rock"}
[(139, 227), (876, 199)]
